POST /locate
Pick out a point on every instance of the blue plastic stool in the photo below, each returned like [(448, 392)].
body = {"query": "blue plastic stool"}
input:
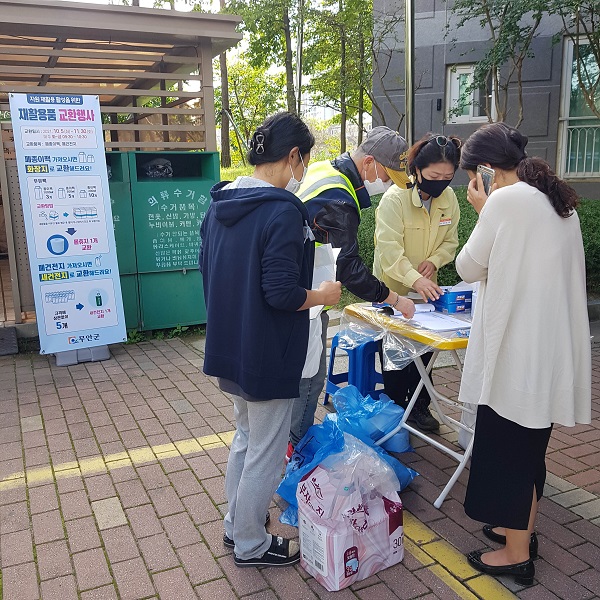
[(361, 369)]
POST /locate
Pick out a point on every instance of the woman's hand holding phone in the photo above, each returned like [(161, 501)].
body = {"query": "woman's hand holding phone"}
[(488, 175), (476, 195)]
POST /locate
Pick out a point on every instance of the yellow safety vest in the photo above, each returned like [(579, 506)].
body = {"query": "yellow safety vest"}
[(323, 176)]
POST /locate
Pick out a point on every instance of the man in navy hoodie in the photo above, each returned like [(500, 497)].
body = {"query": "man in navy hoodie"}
[(257, 260)]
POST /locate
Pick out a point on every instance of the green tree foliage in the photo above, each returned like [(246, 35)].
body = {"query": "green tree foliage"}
[(347, 48), (512, 25), (581, 23), (254, 93), (337, 57), (270, 25)]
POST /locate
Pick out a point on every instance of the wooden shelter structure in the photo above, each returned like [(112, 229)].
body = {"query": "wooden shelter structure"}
[(151, 68)]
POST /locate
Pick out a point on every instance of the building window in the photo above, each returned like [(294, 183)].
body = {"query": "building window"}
[(466, 104), (580, 126)]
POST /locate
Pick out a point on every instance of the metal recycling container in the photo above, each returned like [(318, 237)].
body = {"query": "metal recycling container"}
[(170, 194), (131, 301), (122, 210)]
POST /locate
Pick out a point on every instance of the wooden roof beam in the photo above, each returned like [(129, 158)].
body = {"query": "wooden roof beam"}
[(52, 60)]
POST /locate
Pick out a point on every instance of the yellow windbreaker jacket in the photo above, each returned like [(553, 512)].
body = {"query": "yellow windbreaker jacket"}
[(406, 234)]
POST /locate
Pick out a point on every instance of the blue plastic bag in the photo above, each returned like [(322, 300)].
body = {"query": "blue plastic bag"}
[(319, 442), (405, 474), (369, 420)]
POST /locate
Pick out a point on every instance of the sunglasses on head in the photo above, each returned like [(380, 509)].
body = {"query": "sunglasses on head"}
[(443, 141)]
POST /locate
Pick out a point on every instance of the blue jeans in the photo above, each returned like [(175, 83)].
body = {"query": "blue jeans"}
[(303, 412)]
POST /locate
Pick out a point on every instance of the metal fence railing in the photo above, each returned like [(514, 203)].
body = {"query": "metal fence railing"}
[(583, 151)]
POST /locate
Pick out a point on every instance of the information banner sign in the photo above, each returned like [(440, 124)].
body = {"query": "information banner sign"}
[(68, 220)]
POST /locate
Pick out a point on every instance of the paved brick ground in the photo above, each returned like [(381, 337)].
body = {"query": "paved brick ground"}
[(111, 486)]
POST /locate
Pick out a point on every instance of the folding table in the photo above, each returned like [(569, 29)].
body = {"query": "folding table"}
[(359, 319)]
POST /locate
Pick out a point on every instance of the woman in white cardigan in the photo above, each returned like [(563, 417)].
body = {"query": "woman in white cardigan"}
[(528, 362)]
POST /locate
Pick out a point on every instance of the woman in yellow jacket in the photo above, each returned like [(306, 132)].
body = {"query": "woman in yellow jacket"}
[(416, 233)]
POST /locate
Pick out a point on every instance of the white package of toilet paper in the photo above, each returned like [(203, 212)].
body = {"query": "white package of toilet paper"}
[(349, 518)]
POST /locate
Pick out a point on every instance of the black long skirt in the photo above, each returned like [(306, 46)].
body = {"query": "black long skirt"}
[(507, 464)]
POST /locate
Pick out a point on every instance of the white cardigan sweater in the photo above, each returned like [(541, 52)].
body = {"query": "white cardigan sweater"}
[(529, 354)]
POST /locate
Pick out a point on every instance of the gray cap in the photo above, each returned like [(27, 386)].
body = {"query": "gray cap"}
[(389, 149)]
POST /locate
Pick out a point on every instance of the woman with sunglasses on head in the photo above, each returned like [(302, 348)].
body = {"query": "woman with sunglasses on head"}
[(256, 259), (528, 363), (416, 234)]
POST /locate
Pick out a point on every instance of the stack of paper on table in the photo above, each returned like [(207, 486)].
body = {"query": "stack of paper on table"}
[(426, 317)]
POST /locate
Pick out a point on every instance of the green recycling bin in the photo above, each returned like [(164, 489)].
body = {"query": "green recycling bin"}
[(131, 301), (122, 211), (170, 194)]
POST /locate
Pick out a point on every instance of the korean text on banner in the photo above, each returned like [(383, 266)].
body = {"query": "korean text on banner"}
[(68, 220)]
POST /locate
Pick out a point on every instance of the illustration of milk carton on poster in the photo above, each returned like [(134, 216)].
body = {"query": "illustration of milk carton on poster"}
[(68, 220)]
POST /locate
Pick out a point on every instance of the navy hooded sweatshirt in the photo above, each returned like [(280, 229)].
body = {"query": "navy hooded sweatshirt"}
[(256, 266)]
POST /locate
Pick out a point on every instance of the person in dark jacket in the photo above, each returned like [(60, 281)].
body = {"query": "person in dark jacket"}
[(335, 192), (256, 260)]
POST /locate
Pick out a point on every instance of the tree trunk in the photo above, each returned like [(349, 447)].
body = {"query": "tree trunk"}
[(299, 45), (343, 111), (225, 142), (361, 92), (225, 111), (289, 67)]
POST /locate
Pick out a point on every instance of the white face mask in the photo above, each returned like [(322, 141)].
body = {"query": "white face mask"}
[(293, 184), (378, 186)]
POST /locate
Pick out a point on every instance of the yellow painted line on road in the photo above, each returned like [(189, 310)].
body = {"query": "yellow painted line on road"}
[(448, 564), (118, 460)]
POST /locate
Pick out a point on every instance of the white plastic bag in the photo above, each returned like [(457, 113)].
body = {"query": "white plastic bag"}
[(349, 516), (324, 270), (315, 348)]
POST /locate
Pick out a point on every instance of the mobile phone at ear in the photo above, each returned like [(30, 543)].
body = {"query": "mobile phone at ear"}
[(487, 176)]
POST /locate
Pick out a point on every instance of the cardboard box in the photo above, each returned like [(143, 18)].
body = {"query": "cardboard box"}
[(457, 297), (454, 301), (450, 309), (344, 539)]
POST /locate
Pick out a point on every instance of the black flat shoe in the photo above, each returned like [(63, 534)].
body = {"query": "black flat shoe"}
[(522, 572), (490, 534), (227, 541), (281, 553)]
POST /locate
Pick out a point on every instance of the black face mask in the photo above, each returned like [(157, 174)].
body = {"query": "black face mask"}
[(433, 187)]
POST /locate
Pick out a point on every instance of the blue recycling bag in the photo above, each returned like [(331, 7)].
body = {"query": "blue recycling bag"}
[(319, 442), (327, 438), (369, 419)]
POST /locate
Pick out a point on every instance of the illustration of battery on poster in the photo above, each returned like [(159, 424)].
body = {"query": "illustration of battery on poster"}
[(68, 220)]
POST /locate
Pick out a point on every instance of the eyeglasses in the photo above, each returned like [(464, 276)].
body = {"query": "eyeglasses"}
[(443, 141)]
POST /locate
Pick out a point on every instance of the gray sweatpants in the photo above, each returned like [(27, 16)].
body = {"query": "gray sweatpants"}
[(303, 414), (254, 471)]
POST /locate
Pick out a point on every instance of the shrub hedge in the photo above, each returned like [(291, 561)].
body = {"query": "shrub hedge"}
[(589, 215)]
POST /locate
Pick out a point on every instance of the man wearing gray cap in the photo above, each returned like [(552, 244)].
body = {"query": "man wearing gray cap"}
[(335, 192)]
